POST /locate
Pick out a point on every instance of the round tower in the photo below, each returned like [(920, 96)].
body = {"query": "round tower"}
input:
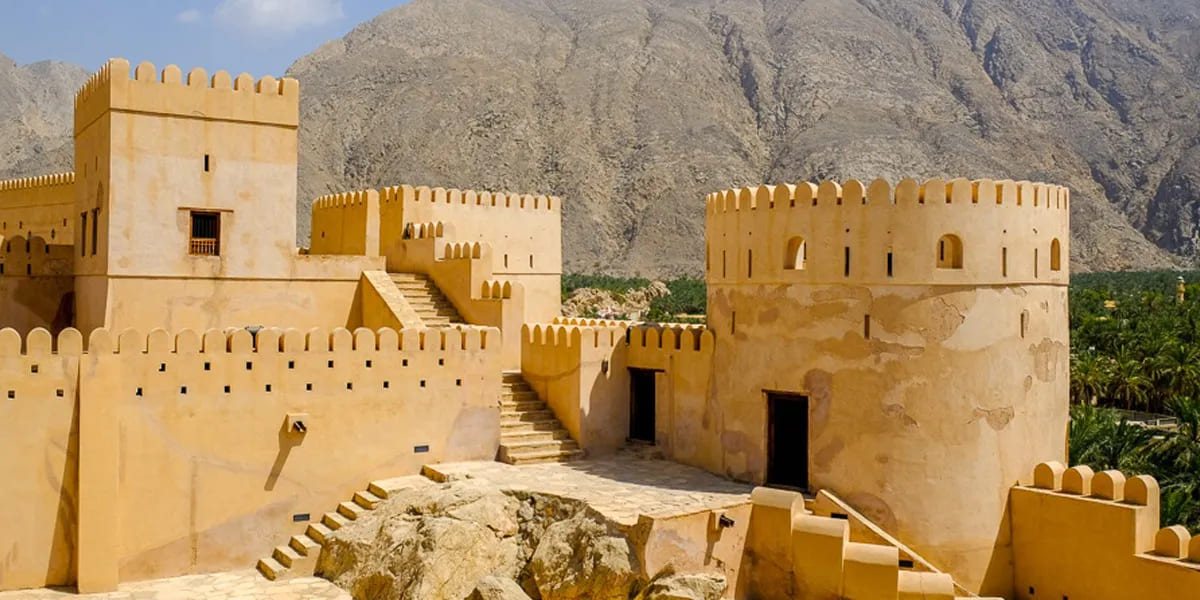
[(905, 349)]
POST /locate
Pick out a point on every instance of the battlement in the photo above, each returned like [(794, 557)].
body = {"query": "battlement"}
[(222, 97), (564, 337), (241, 341), (955, 232), (1072, 517), (26, 183), (908, 192), (468, 198), (671, 337)]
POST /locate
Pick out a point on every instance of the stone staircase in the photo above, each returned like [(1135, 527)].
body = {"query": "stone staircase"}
[(298, 558), (529, 431), (426, 299)]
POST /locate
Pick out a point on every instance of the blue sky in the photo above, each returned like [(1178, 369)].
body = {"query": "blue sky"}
[(260, 37)]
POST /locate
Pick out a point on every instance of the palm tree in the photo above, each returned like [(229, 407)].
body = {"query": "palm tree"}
[(1177, 367), (1089, 377), (1129, 380)]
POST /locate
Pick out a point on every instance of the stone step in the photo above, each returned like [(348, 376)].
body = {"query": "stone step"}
[(334, 521), (350, 510), (367, 500), (507, 417), (516, 437), (523, 426), (286, 555), (515, 386), (271, 569), (384, 488), (518, 396), (525, 406), (534, 447), (319, 532), (512, 377), (529, 458), (305, 545), (409, 276)]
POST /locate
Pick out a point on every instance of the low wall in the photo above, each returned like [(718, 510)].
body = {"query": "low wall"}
[(1079, 534), (187, 463), (39, 454)]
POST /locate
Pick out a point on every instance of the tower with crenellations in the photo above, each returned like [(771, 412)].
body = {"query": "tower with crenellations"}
[(163, 159), (906, 348)]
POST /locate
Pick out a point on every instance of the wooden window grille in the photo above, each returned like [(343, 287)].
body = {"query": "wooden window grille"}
[(206, 234)]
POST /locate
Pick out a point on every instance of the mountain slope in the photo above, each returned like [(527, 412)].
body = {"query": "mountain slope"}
[(633, 109), (36, 104)]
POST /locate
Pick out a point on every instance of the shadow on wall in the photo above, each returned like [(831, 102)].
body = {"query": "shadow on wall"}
[(287, 441), (61, 568)]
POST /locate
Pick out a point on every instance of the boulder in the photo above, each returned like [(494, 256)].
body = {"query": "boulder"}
[(496, 588), (583, 558), (705, 586)]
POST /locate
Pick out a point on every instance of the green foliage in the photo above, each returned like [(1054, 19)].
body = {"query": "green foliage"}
[(688, 297), (617, 285)]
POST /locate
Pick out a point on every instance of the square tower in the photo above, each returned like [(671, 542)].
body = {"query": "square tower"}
[(191, 179)]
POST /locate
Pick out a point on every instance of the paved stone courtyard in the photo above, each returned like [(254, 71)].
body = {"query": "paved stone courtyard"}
[(619, 487), (234, 585)]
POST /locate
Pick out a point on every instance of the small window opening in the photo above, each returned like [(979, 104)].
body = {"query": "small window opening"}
[(949, 252), (386, 385), (207, 366), (733, 322), (206, 234), (889, 264), (846, 264), (162, 367), (867, 326), (207, 163), (268, 387), (227, 389), (441, 362), (349, 385), (330, 364), (368, 364), (724, 270), (1035, 262), (291, 364), (83, 234), (249, 366), (1055, 255), (95, 229), (458, 382), (1024, 323), (1004, 262), (59, 393), (308, 387), (530, 261), (505, 261), (12, 394), (422, 383), (404, 362), (749, 264), (797, 254), (183, 390)]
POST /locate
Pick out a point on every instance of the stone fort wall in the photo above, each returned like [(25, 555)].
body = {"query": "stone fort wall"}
[(155, 455), (38, 207)]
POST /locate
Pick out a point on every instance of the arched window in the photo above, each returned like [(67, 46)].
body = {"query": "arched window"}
[(797, 254), (949, 252), (1055, 255)]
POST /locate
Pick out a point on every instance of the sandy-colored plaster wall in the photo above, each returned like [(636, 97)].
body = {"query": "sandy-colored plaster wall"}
[(35, 285), (38, 207), (321, 291), (1078, 534), (38, 458), (204, 475)]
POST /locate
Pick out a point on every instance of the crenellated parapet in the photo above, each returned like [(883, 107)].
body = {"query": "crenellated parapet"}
[(1072, 519), (956, 232), (169, 92), (26, 183), (467, 199), (38, 206)]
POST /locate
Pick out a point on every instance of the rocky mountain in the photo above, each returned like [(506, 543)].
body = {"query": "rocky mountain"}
[(632, 110), (36, 116)]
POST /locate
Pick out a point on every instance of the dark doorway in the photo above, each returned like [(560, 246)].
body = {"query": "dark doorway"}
[(787, 440), (641, 405)]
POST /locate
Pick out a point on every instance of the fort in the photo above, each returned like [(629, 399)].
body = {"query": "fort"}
[(185, 391)]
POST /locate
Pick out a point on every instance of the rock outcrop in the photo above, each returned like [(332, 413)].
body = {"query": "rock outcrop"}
[(468, 539)]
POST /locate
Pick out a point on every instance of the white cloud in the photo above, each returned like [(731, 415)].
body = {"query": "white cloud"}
[(188, 16), (283, 16)]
